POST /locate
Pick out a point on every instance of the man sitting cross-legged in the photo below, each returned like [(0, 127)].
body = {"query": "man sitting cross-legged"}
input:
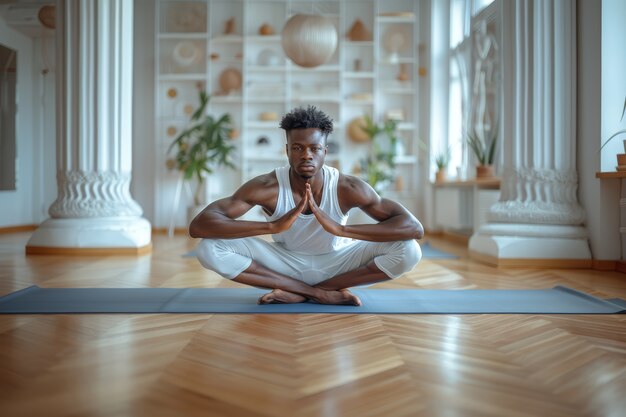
[(315, 255)]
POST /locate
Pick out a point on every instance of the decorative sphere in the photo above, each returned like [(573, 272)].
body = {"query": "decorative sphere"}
[(309, 40), (230, 80)]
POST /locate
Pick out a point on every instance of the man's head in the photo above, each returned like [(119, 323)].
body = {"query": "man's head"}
[(307, 131)]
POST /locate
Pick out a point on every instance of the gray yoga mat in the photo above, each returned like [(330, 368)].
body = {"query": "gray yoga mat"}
[(558, 300)]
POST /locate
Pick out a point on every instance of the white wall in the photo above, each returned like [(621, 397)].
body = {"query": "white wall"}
[(18, 207), (599, 198), (144, 140)]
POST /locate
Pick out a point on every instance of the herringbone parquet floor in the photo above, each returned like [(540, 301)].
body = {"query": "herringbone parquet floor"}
[(305, 365)]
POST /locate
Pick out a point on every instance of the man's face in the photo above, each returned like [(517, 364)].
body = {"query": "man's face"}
[(306, 150)]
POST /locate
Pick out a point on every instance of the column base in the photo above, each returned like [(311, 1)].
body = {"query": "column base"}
[(531, 246), (91, 236)]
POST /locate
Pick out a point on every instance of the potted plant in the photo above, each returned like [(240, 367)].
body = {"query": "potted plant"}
[(621, 158), (379, 166), (202, 147), (485, 151), (442, 160)]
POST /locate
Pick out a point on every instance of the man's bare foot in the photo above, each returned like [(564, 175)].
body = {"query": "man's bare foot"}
[(341, 297), (281, 297)]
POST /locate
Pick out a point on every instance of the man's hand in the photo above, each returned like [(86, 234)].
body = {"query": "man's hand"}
[(326, 221), (285, 222)]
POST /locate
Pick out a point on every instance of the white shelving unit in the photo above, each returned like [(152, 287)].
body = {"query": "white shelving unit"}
[(271, 83)]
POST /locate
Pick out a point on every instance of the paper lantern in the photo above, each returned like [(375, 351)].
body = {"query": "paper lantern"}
[(309, 40)]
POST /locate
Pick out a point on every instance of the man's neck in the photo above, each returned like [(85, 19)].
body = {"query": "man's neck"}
[(298, 182)]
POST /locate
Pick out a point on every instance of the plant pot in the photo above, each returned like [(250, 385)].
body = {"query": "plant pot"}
[(621, 159), (624, 145), (440, 176), (485, 171)]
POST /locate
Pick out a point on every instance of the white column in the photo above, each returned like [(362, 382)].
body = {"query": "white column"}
[(538, 215), (94, 208)]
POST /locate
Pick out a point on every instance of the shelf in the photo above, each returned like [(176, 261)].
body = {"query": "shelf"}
[(265, 99), (335, 87), (612, 174), (263, 125), (259, 68), (326, 68), (267, 158), (400, 60), (358, 74), (182, 35), (358, 102), (395, 19), (325, 99), (359, 43), (226, 99), (264, 39), (227, 39), (408, 90), (228, 61), (181, 77)]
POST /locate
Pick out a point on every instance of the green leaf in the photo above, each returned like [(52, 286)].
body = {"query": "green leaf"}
[(619, 132)]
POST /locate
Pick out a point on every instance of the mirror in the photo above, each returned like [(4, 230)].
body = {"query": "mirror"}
[(8, 109)]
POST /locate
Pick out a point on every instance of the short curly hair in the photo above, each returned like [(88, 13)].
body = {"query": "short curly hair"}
[(311, 117)]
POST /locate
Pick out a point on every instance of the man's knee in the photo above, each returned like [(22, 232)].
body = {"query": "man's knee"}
[(208, 252), (411, 254), (401, 258), (222, 256)]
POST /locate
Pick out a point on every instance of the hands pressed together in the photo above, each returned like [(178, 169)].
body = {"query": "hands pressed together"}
[(307, 201)]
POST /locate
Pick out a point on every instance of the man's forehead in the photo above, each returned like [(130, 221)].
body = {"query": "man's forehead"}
[(309, 136)]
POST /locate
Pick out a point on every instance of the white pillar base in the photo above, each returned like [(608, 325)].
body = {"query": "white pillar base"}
[(108, 233), (510, 244)]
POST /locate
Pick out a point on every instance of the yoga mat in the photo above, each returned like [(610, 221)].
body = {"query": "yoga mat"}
[(431, 253), (558, 300), (427, 252)]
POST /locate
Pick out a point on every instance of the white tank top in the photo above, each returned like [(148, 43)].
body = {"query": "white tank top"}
[(306, 235)]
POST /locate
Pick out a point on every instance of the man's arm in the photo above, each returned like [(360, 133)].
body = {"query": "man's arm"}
[(217, 220), (394, 221)]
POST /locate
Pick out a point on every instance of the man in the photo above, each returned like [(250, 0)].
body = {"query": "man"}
[(315, 255)]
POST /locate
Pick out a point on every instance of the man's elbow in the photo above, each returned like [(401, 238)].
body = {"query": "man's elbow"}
[(418, 231), (194, 228)]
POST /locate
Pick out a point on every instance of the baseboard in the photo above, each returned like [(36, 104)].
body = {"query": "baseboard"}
[(532, 263), (42, 250), (459, 238), (165, 230), (602, 265), (17, 229)]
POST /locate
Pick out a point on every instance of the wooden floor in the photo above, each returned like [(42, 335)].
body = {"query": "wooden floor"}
[(305, 365)]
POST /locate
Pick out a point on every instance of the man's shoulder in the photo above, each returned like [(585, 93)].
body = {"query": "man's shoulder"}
[(261, 183), (349, 182)]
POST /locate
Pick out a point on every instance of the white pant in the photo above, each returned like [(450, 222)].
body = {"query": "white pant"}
[(230, 257)]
